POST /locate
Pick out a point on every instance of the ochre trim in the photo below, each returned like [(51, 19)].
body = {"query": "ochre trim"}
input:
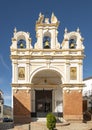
[(45, 50), (73, 85), (21, 85), (47, 56)]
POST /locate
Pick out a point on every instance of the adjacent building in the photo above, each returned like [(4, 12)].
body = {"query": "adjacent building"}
[(87, 94), (47, 77), (1, 104)]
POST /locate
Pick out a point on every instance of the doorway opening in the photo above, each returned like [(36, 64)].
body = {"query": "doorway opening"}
[(43, 102)]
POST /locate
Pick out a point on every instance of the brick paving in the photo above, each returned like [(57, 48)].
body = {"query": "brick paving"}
[(42, 126)]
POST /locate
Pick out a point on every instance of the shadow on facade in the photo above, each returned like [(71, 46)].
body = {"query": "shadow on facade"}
[(21, 113)]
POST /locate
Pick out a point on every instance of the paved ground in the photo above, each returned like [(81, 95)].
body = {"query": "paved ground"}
[(42, 126)]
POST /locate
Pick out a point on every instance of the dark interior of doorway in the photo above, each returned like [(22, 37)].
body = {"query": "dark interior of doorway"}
[(43, 102)]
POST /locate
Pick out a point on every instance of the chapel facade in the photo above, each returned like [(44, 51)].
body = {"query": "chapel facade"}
[(49, 76)]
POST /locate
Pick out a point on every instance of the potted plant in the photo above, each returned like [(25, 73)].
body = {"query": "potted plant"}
[(51, 121)]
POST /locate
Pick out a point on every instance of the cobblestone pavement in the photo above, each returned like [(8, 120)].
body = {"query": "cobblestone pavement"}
[(42, 126), (77, 126)]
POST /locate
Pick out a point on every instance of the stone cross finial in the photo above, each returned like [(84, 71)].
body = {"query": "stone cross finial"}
[(15, 30), (78, 30), (66, 30)]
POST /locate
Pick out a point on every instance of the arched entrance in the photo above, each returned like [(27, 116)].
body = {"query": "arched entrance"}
[(46, 93)]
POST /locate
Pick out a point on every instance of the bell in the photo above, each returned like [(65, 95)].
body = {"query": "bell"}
[(46, 44), (72, 45), (21, 45)]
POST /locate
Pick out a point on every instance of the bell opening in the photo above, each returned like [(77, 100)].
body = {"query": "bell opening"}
[(46, 45)]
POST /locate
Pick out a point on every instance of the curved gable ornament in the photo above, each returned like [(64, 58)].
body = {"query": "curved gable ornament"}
[(70, 35), (21, 35), (40, 19)]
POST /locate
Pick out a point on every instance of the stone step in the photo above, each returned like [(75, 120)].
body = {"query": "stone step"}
[(43, 119), (37, 119)]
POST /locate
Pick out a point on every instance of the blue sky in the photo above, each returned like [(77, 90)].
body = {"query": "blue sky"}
[(23, 14)]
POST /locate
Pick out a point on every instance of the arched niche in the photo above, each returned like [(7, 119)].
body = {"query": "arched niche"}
[(47, 77), (72, 42), (47, 40), (21, 40), (21, 44)]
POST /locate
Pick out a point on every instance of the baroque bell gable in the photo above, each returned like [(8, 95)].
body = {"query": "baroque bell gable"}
[(21, 36), (73, 40), (46, 31)]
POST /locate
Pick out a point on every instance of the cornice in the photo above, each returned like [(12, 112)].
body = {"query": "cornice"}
[(70, 57), (20, 50), (21, 84), (42, 25), (45, 50), (71, 85), (45, 86)]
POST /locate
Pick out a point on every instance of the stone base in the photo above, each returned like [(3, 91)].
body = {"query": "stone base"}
[(73, 108), (22, 119), (22, 107), (73, 118)]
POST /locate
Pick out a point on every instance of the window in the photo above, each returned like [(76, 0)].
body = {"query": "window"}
[(21, 44)]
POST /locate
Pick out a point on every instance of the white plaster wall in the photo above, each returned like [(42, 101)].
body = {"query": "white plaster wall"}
[(58, 100), (88, 87), (87, 91)]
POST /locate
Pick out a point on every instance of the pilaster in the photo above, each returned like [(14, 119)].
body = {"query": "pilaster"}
[(15, 72), (28, 71), (80, 72), (67, 71)]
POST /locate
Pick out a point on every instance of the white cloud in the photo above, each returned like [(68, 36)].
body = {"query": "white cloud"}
[(3, 62)]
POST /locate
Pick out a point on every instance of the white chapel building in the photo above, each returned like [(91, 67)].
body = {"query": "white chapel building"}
[(47, 77)]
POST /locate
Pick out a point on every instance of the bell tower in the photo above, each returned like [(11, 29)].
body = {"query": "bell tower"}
[(46, 32)]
